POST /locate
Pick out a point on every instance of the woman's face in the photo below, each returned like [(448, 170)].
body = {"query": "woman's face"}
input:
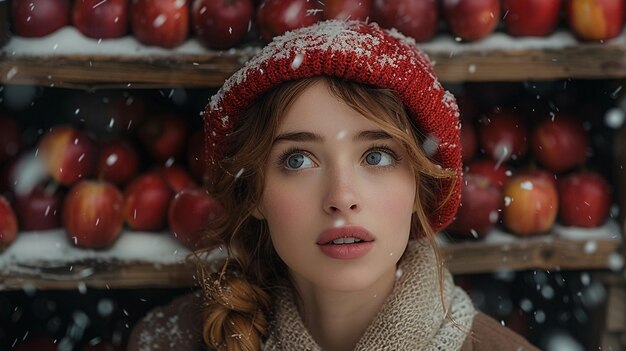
[(333, 176)]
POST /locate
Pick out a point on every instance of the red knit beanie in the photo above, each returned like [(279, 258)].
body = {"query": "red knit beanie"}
[(357, 51)]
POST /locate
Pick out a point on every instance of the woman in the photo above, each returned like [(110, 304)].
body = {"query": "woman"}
[(335, 152)]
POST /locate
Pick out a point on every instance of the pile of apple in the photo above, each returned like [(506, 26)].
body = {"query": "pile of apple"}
[(222, 24), (96, 187), (526, 175)]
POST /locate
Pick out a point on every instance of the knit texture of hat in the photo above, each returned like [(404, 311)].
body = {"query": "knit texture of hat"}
[(357, 51)]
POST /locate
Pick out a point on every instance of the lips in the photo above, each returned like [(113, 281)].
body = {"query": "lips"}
[(342, 233), (345, 243)]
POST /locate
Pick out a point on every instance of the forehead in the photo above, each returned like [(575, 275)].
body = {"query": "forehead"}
[(317, 109)]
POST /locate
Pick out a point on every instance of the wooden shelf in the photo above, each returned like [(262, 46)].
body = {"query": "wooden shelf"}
[(561, 249), (139, 260), (67, 59)]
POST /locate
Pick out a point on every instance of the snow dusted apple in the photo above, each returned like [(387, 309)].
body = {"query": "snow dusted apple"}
[(68, 154), (498, 173), (177, 177), (503, 135), (93, 214), (585, 199), (101, 19), (41, 208), (118, 161), (164, 136), (348, 9), (8, 224), (560, 143), (471, 19), (221, 24), (275, 17), (469, 141), (416, 18), (146, 200), (531, 204), (162, 23), (38, 18), (481, 201), (10, 137), (596, 19), (189, 214), (531, 17)]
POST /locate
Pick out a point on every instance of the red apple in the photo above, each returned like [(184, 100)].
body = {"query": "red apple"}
[(108, 112), (417, 18), (162, 23), (118, 162), (585, 199), (38, 18), (275, 17), (103, 346), (498, 173), (8, 224), (596, 19), (348, 9), (22, 174), (469, 141), (38, 344), (101, 18), (503, 135), (10, 137), (146, 200), (530, 204), (560, 143), (221, 24), (68, 154), (189, 214), (41, 208), (471, 19), (481, 201), (177, 177), (164, 136), (196, 156), (93, 214), (468, 107), (7, 178), (538, 172), (531, 17)]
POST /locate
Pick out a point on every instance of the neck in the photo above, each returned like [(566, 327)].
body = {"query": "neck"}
[(338, 319)]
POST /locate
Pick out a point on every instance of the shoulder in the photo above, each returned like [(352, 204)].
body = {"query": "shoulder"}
[(175, 326), (488, 334)]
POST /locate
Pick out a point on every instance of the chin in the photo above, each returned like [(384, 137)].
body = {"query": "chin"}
[(355, 278)]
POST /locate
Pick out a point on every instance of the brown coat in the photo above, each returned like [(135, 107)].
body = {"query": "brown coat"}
[(178, 326)]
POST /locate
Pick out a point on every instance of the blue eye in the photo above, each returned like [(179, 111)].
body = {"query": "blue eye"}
[(379, 158), (298, 161)]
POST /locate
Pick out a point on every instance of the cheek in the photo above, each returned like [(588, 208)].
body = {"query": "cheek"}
[(285, 208), (397, 198)]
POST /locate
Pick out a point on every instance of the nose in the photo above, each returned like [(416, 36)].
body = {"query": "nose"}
[(342, 196)]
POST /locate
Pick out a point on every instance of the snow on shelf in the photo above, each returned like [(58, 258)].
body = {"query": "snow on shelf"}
[(69, 41), (610, 230), (49, 249), (52, 247)]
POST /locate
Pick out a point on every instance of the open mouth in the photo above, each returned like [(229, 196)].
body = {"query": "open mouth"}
[(342, 241), (346, 242)]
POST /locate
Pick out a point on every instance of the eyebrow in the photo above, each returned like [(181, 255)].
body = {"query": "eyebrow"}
[(366, 135)]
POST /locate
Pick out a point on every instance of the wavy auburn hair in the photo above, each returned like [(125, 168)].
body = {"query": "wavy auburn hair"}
[(238, 294)]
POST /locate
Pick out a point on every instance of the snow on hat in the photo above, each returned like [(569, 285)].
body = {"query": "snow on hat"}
[(357, 51)]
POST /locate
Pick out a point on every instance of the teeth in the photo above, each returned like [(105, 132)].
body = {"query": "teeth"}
[(346, 241)]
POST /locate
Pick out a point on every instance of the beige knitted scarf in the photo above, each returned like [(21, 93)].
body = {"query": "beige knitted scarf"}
[(412, 317)]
